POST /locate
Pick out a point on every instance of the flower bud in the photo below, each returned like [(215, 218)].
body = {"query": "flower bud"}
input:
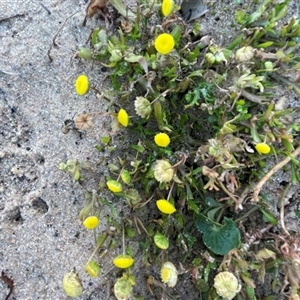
[(244, 54), (226, 285), (210, 58), (72, 285), (123, 288), (142, 107), (163, 171)]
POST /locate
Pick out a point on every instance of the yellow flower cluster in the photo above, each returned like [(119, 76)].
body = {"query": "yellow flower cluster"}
[(123, 117), (262, 148), (123, 261), (91, 222), (164, 43), (167, 7), (82, 85), (165, 206), (162, 140)]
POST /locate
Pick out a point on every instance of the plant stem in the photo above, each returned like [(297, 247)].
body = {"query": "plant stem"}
[(271, 172)]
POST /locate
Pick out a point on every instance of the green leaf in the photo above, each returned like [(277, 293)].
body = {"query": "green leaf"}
[(265, 44), (211, 214), (85, 211), (297, 213), (220, 239), (211, 202), (193, 206), (250, 292), (270, 218), (105, 140), (137, 148)]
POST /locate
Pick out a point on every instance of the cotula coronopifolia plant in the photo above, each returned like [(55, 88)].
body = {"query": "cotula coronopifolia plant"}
[(163, 73)]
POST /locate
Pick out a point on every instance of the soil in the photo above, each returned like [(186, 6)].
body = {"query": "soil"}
[(40, 236)]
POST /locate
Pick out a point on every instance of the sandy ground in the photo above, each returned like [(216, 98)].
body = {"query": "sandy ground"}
[(40, 237)]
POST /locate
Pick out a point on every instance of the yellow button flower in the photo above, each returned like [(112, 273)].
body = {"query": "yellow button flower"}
[(168, 274), (164, 43), (82, 85), (262, 148), (123, 117), (167, 7), (162, 140), (114, 186), (91, 222), (123, 261), (165, 206)]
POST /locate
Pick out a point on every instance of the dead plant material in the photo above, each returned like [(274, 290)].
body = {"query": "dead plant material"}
[(11, 17), (9, 282), (97, 6), (281, 218), (54, 44), (271, 172), (83, 121)]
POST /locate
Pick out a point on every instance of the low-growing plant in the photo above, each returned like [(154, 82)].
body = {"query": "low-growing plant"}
[(202, 123)]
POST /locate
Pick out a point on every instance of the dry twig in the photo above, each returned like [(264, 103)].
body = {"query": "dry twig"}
[(271, 172), (11, 17), (54, 44), (281, 216)]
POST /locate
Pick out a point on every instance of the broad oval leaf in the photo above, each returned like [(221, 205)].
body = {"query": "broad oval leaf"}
[(220, 239)]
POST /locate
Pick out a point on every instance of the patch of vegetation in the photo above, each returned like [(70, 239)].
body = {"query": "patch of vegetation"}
[(204, 123)]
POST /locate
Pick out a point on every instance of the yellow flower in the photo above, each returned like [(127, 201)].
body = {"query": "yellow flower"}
[(163, 171), (82, 85), (162, 140), (123, 261), (164, 43), (226, 285), (168, 274), (123, 117), (262, 148), (114, 186), (91, 222), (165, 206), (167, 7)]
